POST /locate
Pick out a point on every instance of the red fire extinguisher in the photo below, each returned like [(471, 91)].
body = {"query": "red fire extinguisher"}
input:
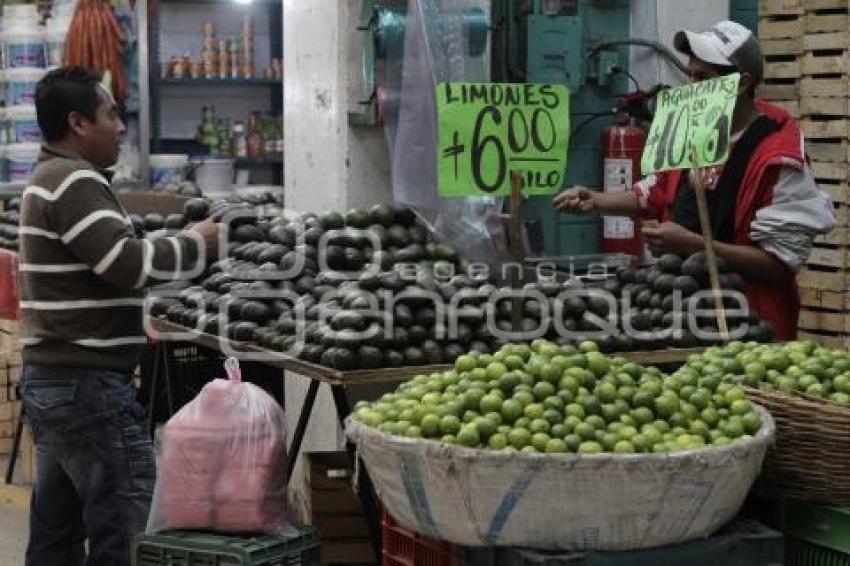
[(622, 147)]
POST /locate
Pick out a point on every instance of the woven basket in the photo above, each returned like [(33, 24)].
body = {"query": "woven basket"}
[(810, 459)]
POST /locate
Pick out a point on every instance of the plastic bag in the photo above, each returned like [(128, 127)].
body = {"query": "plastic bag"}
[(223, 464)]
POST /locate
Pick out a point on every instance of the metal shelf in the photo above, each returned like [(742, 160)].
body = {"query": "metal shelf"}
[(220, 82), (11, 190), (245, 162)]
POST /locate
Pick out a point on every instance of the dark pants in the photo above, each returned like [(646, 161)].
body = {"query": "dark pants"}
[(95, 466)]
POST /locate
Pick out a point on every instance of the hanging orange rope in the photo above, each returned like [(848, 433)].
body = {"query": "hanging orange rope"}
[(96, 40)]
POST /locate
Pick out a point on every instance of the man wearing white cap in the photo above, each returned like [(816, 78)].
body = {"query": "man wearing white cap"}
[(764, 205)]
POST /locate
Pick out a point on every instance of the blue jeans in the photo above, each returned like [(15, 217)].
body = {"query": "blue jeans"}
[(95, 466)]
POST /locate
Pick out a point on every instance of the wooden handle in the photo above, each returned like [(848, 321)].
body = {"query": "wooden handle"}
[(711, 257)]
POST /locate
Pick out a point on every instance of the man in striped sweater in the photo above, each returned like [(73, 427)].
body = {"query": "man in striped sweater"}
[(83, 274)]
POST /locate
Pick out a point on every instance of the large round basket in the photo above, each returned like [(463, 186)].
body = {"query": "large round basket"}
[(559, 501), (810, 459)]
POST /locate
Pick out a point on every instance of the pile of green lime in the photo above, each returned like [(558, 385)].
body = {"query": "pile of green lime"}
[(800, 366), (549, 398)]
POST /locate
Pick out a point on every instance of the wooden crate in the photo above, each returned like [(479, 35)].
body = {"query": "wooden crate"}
[(826, 279), (790, 106), (824, 106), (779, 90), (824, 87), (828, 339), (820, 22), (818, 5), (836, 237), (828, 257), (823, 320), (830, 150), (816, 63), (780, 26), (335, 510), (780, 7), (782, 67), (825, 128), (829, 170), (831, 41), (782, 46)]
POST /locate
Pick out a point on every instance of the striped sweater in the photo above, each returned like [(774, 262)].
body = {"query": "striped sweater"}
[(83, 271)]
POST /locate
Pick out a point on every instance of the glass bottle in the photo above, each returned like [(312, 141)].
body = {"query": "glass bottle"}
[(239, 140), (255, 135)]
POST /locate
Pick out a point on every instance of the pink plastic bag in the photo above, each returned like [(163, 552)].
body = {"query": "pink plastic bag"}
[(223, 464)]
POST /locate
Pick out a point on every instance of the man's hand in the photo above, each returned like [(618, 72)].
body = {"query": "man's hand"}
[(577, 200), (669, 237), (209, 232)]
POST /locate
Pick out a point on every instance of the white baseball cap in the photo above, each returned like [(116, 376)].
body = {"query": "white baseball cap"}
[(728, 44)]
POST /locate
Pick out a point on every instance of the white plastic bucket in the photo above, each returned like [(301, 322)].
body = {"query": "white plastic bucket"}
[(24, 48), (215, 176), (22, 124), (4, 165), (22, 159), (20, 85), (57, 32), (167, 168)]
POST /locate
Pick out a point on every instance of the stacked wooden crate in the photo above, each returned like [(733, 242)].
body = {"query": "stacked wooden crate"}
[(10, 375), (825, 120), (780, 32)]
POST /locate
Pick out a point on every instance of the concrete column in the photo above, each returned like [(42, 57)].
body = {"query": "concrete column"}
[(329, 165)]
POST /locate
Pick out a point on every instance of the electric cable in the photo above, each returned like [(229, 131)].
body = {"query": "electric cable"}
[(658, 47)]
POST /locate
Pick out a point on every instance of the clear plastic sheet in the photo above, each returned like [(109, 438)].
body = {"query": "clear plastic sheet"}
[(223, 466), (436, 49)]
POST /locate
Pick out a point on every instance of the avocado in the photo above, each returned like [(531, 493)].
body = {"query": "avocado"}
[(263, 336), (242, 331), (175, 222), (255, 311), (357, 218), (670, 264), (404, 215), (418, 235), (273, 253), (161, 305), (608, 344), (279, 235), (313, 235), (392, 281), (214, 324), (731, 281), (665, 283), (234, 308), (643, 298), (686, 284), (196, 209), (175, 312), (398, 235), (574, 306), (626, 274), (246, 233), (154, 222), (656, 317), (410, 254), (381, 214), (305, 285), (656, 300), (403, 316), (640, 276), (433, 352), (417, 334), (311, 353), (282, 343), (331, 221), (369, 357), (348, 320), (354, 259), (414, 356), (380, 233), (426, 317), (335, 257), (667, 303), (652, 274), (470, 315), (393, 359), (384, 259), (532, 308)]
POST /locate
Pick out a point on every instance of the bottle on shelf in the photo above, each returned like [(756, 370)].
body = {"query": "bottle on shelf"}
[(209, 133), (255, 135), (224, 137), (239, 141)]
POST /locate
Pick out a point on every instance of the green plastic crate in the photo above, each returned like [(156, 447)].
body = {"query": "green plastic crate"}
[(799, 552), (742, 543), (193, 548)]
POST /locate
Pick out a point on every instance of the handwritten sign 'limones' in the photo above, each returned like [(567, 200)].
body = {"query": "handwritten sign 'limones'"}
[(697, 115), (490, 130)]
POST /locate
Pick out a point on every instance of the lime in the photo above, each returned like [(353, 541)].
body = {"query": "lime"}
[(573, 441), (472, 399), (511, 410), (576, 410), (539, 425), (739, 407), (568, 383), (430, 425), (555, 446), (570, 421), (495, 417), (490, 403), (627, 432), (450, 424), (469, 436), (624, 447), (497, 441), (590, 448), (519, 438), (496, 370), (469, 416), (530, 450), (542, 390), (598, 364), (449, 439), (651, 434), (554, 402), (588, 347), (734, 394), (666, 405), (513, 361), (596, 421), (551, 373), (553, 416), (539, 440), (522, 422), (413, 431), (465, 363), (590, 404), (751, 422), (606, 392), (559, 430), (732, 428), (524, 397), (709, 416), (486, 427), (585, 431)]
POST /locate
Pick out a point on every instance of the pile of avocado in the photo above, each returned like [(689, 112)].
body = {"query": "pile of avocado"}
[(9, 225), (369, 301)]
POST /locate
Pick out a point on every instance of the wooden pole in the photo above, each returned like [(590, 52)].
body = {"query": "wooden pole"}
[(515, 247), (711, 257)]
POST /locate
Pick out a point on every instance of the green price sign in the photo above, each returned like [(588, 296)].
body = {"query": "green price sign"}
[(697, 115), (489, 130)]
